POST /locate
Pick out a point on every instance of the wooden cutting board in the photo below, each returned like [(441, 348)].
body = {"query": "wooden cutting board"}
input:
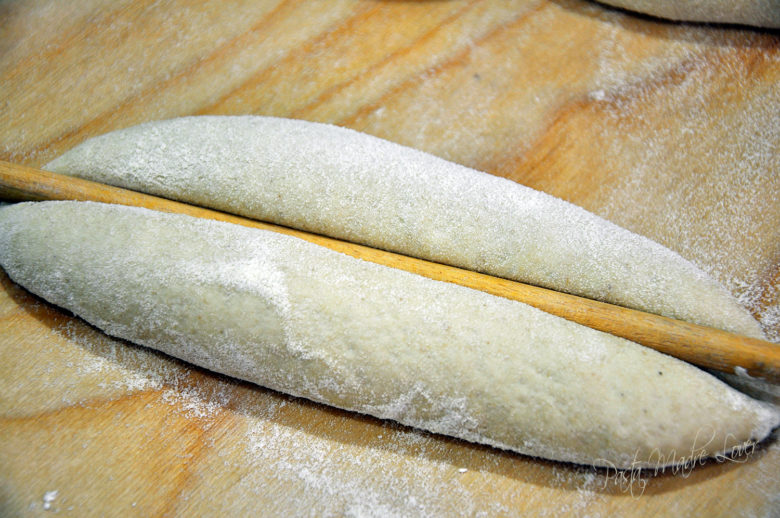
[(669, 130)]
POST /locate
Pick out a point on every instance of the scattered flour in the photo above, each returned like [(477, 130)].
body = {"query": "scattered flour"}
[(48, 499), (724, 218)]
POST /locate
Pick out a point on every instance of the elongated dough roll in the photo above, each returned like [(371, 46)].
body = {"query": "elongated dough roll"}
[(298, 318), (761, 13), (356, 187)]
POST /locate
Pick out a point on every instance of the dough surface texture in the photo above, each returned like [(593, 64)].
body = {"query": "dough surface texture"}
[(760, 13), (359, 188), (301, 319)]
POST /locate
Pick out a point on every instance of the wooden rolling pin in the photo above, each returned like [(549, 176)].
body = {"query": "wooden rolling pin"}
[(700, 345)]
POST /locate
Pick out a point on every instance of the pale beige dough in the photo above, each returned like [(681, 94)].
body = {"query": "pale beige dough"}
[(301, 319), (760, 13), (359, 188)]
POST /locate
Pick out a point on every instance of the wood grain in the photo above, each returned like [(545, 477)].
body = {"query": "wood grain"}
[(667, 129)]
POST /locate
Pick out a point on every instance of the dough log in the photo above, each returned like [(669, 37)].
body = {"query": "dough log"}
[(359, 188), (760, 13), (308, 321)]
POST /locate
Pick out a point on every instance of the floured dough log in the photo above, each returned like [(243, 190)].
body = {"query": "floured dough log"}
[(301, 319), (359, 188), (761, 13)]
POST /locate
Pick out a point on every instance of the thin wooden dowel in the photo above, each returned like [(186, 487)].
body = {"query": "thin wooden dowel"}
[(700, 345)]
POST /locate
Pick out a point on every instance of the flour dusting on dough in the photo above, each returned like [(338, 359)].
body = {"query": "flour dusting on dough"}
[(352, 186), (367, 338)]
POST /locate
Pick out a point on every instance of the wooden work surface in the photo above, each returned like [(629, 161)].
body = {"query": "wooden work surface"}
[(670, 130)]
